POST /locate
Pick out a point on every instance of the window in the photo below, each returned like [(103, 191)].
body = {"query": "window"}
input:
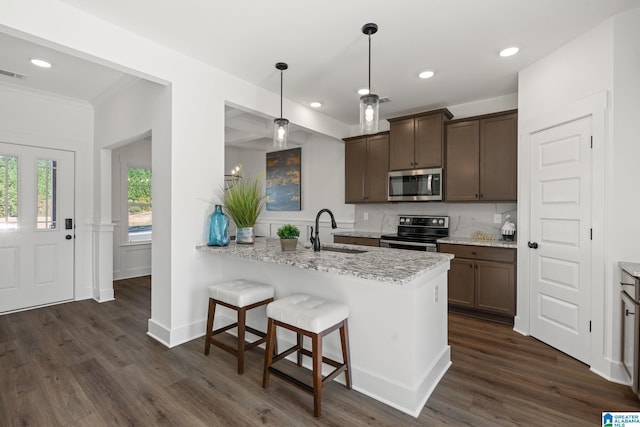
[(8, 192), (139, 203), (47, 173)]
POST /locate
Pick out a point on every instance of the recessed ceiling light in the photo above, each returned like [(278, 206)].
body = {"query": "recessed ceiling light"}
[(509, 51), (316, 104), (426, 74), (363, 91), (40, 63)]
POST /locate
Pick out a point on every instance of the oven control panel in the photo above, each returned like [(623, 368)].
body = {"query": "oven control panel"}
[(424, 221)]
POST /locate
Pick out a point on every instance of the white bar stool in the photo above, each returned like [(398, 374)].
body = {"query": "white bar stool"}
[(239, 295), (315, 318)]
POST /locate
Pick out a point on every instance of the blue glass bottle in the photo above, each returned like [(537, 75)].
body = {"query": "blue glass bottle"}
[(218, 228)]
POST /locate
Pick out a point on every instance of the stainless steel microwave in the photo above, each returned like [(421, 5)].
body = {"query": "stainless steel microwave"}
[(415, 185)]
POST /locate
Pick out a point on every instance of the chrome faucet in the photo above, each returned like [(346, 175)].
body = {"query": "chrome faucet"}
[(315, 240)]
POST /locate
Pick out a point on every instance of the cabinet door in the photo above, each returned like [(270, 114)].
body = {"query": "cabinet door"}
[(377, 168), (428, 141), (495, 287), (499, 158), (401, 154), (461, 279), (462, 163), (355, 154)]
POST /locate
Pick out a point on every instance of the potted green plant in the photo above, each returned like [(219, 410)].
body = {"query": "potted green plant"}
[(288, 234), (243, 201)]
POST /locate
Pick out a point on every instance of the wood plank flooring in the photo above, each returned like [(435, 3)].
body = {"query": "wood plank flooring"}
[(90, 364)]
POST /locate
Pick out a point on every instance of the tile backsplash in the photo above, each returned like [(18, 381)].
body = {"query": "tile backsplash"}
[(464, 218)]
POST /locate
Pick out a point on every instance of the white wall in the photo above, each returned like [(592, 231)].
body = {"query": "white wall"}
[(623, 172), (188, 149), (322, 186), (42, 120), (130, 259), (604, 59)]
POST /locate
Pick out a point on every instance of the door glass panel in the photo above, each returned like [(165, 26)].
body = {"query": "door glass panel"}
[(8, 192), (47, 170)]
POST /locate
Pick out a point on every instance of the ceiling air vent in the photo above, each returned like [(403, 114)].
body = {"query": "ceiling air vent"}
[(12, 74), (384, 99)]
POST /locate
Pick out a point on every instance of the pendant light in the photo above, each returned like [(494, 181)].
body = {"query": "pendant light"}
[(369, 103), (281, 125)]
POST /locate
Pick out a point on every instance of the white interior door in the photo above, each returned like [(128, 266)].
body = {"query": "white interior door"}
[(36, 226), (560, 279)]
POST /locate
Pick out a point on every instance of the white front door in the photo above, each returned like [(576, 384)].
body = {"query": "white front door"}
[(560, 279), (36, 226)]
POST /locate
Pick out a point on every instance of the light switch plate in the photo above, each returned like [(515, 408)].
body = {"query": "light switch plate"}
[(497, 218), (365, 216)]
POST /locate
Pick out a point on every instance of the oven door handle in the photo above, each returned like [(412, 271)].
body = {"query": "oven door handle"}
[(399, 242)]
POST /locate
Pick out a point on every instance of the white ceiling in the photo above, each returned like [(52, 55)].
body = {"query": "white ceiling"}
[(326, 51)]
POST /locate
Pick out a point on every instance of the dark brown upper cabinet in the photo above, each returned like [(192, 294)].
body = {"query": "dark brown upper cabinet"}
[(366, 161), (482, 158), (417, 141)]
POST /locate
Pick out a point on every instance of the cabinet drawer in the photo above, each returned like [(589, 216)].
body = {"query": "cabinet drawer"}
[(363, 241), (479, 252)]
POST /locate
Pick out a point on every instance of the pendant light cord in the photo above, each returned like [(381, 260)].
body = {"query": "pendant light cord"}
[(281, 80), (369, 64)]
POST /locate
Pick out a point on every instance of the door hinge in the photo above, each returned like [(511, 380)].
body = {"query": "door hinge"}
[(591, 141), (589, 325), (591, 234)]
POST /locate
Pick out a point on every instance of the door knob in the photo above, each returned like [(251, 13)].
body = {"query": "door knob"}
[(68, 237), (533, 245)]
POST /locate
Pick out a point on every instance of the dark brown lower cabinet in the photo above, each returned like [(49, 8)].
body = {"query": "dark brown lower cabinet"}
[(461, 282), (482, 279)]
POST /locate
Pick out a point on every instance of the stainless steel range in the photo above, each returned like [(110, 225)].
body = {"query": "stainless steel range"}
[(418, 233)]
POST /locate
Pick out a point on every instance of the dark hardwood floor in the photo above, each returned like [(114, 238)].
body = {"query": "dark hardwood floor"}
[(90, 364)]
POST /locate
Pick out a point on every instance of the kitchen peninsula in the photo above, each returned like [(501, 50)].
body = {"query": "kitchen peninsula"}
[(397, 309)]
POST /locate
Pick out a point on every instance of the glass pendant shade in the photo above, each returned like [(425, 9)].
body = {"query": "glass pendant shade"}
[(280, 133), (369, 109)]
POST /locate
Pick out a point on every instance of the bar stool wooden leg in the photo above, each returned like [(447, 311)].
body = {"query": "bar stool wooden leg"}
[(210, 316), (300, 342), (346, 358), (269, 348), (317, 373), (242, 321)]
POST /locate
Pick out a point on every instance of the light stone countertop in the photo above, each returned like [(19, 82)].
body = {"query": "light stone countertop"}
[(633, 268), (355, 233), (377, 264), (474, 242)]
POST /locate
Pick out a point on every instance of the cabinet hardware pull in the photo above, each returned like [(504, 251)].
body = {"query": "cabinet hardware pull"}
[(476, 195), (533, 245), (628, 313)]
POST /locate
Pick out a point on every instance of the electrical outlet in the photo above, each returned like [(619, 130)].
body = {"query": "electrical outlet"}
[(365, 216), (497, 218), (435, 297)]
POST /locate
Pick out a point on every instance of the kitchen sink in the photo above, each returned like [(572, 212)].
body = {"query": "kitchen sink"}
[(343, 250)]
